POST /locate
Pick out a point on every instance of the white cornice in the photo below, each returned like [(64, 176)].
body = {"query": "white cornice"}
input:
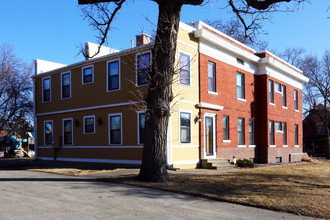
[(209, 106)]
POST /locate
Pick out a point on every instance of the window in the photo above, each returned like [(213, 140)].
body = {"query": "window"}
[(283, 95), (185, 127), (278, 159), (87, 74), (278, 126), (67, 131), (251, 132), (285, 134), (46, 89), (66, 85), (240, 127), (48, 129), (115, 129), (271, 133), (240, 82), (295, 100), (277, 87), (225, 127), (143, 62), (89, 124), (113, 75), (141, 124), (211, 70), (296, 142), (271, 91), (184, 69)]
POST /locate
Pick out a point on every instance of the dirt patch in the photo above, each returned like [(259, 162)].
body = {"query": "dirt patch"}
[(73, 172)]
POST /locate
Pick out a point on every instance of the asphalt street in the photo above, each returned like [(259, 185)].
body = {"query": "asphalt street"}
[(35, 195)]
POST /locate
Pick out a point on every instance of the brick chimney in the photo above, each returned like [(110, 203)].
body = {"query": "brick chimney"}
[(142, 39)]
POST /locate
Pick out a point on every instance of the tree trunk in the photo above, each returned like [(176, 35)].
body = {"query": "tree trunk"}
[(154, 159)]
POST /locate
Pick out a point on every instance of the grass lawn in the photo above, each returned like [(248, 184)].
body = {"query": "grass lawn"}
[(302, 189)]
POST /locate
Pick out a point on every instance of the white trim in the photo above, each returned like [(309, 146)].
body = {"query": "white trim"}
[(240, 99), (296, 110), (50, 89), (226, 141), (90, 108), (82, 74), (278, 92), (136, 162), (89, 116), (136, 66), (271, 145), (185, 162), (119, 74), (252, 146), (45, 132), (67, 72), (285, 145), (121, 128), (188, 45), (185, 146), (67, 119), (209, 106), (190, 113), (108, 147), (241, 146), (138, 126), (296, 146), (184, 101), (187, 54), (284, 107), (273, 104), (213, 116), (212, 93)]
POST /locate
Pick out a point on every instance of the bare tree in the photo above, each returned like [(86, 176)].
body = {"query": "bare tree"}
[(160, 95), (15, 87)]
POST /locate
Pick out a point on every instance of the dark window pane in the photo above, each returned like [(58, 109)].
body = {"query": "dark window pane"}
[(142, 119), (115, 129), (185, 131), (225, 127), (89, 125), (113, 75), (88, 74), (66, 85), (67, 131), (48, 133), (143, 68)]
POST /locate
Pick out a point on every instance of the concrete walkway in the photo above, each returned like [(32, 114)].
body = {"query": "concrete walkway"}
[(36, 195)]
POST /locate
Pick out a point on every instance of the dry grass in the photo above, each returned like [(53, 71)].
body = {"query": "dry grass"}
[(302, 189), (72, 171)]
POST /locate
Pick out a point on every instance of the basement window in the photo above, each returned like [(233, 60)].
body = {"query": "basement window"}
[(278, 159)]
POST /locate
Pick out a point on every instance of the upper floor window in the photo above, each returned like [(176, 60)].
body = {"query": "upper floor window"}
[(67, 131), (115, 129), (141, 124), (283, 95), (240, 128), (48, 131), (143, 65), (185, 127), (46, 89), (66, 85), (240, 83), (113, 75), (87, 74), (295, 100), (184, 69), (251, 132), (225, 127), (277, 87), (211, 75), (89, 124), (271, 91)]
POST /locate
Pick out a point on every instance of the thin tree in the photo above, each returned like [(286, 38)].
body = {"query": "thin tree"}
[(160, 95)]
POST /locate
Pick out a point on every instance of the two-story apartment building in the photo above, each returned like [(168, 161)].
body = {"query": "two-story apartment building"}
[(230, 100)]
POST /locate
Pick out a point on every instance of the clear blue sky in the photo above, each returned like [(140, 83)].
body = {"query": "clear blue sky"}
[(53, 30)]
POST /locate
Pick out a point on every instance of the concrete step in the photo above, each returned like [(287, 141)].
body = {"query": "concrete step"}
[(218, 164)]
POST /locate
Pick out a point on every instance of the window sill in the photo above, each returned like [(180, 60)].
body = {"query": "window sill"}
[(252, 145), (241, 146), (273, 104), (278, 131), (240, 99), (272, 145), (279, 92), (285, 145), (285, 107), (296, 110), (296, 146), (212, 93), (226, 141)]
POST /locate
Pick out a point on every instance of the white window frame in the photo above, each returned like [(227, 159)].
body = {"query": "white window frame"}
[(69, 72), (82, 74), (136, 66), (189, 112), (253, 132), (119, 75), (214, 78), (121, 128), (295, 99), (46, 121), (272, 92), (84, 124), (138, 126), (50, 89), (280, 91), (284, 94), (281, 124), (228, 123), (244, 95), (187, 54), (67, 119), (241, 145)]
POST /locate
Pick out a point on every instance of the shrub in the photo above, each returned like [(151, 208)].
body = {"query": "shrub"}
[(245, 163)]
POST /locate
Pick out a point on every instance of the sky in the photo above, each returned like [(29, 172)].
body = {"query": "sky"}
[(54, 30)]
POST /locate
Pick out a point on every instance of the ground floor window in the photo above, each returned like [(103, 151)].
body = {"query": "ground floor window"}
[(271, 133), (251, 132), (141, 124), (48, 129), (285, 134), (296, 142), (115, 129), (67, 131), (225, 127), (89, 124), (185, 127), (240, 127)]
